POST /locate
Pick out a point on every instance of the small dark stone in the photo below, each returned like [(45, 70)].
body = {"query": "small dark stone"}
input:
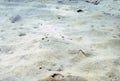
[(57, 75), (40, 67), (43, 38), (54, 75), (14, 19), (79, 10), (96, 3), (62, 36), (60, 2), (87, 1), (93, 2), (109, 76), (35, 27), (58, 17), (22, 34), (57, 7)]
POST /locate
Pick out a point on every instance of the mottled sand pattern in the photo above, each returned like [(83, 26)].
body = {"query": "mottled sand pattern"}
[(59, 40)]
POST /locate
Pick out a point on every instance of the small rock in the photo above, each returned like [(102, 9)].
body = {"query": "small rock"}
[(95, 2), (60, 2), (57, 76), (79, 10), (40, 67), (22, 34), (62, 36), (14, 19), (58, 17), (43, 38), (60, 77), (57, 7), (35, 27)]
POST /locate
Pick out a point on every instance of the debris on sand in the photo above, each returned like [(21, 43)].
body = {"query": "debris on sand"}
[(95, 2), (79, 10), (22, 34), (15, 18), (60, 77)]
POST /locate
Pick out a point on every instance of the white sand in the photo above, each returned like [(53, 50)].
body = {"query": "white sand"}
[(51, 37)]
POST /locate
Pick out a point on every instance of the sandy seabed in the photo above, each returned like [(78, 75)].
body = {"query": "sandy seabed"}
[(60, 40)]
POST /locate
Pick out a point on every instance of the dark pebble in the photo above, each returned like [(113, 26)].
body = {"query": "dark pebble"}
[(22, 34), (79, 10), (61, 2), (59, 18), (43, 38), (14, 19), (62, 36), (35, 27), (55, 74), (40, 67)]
